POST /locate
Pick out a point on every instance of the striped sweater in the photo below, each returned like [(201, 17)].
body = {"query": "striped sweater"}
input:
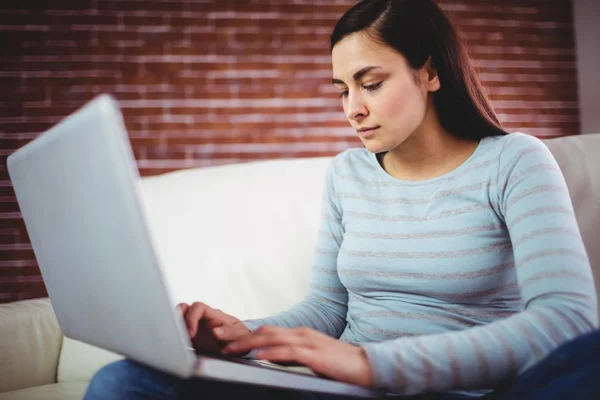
[(455, 283)]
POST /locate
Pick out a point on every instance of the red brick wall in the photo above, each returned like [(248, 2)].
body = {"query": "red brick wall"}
[(214, 82)]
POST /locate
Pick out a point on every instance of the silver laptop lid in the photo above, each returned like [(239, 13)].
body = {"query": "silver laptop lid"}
[(78, 189)]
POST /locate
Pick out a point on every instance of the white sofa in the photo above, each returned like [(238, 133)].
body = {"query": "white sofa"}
[(237, 237)]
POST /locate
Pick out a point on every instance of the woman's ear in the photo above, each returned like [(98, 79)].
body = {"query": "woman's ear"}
[(433, 80)]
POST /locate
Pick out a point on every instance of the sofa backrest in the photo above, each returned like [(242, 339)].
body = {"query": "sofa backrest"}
[(579, 160), (241, 237), (238, 237)]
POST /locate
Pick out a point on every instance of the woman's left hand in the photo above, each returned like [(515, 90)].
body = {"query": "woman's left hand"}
[(321, 353)]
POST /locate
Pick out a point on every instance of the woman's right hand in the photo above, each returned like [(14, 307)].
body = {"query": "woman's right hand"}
[(210, 329)]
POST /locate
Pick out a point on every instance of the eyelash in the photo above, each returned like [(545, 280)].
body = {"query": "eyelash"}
[(370, 88)]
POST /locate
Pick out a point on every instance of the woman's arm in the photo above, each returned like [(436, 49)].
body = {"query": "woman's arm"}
[(553, 274), (324, 308)]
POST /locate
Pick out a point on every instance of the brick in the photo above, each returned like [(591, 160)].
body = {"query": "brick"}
[(144, 79), (24, 236), (164, 153), (25, 127), (11, 84), (138, 20), (128, 5), (9, 206), (210, 37), (566, 126), (74, 95), (529, 56), (8, 236), (189, 21), (41, 5), (61, 80), (9, 285), (113, 36), (166, 6), (15, 271), (10, 144), (79, 18), (538, 111), (572, 96), (17, 17), (236, 6), (12, 255), (8, 297), (6, 190), (541, 14)]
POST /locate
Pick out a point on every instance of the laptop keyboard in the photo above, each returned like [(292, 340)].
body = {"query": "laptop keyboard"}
[(299, 369)]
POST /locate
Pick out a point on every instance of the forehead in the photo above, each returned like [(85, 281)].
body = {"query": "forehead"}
[(357, 51)]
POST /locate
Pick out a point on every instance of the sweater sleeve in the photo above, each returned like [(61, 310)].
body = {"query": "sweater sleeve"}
[(553, 274), (325, 305)]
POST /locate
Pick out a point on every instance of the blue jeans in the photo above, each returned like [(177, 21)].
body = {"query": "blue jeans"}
[(568, 372), (129, 380)]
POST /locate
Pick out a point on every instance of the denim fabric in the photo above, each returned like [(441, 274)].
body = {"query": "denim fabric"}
[(568, 372), (129, 380)]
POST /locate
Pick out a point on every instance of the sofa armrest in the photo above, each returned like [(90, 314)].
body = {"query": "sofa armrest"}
[(30, 341)]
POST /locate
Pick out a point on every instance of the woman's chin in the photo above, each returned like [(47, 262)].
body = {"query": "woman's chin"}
[(374, 147)]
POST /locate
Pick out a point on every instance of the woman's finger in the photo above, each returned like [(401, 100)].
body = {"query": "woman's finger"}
[(298, 354), (210, 317), (268, 338), (229, 332), (183, 307), (194, 314)]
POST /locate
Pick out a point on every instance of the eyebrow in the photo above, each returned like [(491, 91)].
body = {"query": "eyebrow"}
[(357, 75)]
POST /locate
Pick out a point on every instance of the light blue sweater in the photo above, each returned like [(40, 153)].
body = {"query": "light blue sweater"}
[(453, 283)]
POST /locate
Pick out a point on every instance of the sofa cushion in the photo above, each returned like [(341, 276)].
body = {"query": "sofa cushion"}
[(30, 344), (79, 361), (54, 391), (578, 159)]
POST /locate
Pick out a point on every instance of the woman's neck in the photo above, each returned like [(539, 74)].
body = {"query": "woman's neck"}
[(429, 152)]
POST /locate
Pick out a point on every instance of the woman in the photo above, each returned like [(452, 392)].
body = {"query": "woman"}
[(449, 259)]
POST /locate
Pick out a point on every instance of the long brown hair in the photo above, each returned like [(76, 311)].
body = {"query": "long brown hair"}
[(418, 29)]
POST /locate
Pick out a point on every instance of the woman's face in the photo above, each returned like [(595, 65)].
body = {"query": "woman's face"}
[(379, 90)]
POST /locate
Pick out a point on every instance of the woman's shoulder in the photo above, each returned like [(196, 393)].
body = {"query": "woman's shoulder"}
[(517, 141), (507, 149), (518, 145)]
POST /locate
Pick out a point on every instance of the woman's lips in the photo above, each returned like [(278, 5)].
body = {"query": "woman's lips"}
[(367, 133)]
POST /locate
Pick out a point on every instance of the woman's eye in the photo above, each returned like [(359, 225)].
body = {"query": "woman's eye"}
[(371, 88)]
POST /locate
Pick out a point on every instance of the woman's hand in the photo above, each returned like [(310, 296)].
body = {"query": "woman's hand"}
[(323, 354), (210, 329)]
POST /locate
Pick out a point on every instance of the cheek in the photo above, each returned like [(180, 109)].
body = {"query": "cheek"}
[(403, 106)]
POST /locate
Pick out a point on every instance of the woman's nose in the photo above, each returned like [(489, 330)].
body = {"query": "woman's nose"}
[(356, 108)]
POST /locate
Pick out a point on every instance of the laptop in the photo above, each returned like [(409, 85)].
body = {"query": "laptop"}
[(78, 188)]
